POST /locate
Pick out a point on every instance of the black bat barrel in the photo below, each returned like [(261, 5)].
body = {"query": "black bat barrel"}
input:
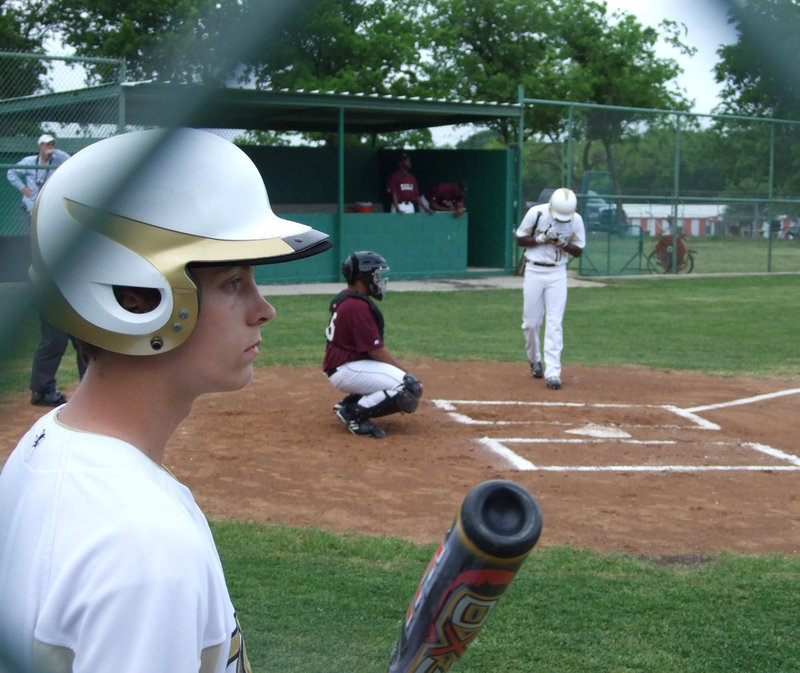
[(497, 526)]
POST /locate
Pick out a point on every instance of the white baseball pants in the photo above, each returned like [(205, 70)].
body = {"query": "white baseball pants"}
[(371, 378), (544, 298)]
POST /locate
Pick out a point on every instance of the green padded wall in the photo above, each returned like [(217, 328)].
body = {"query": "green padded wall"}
[(415, 246), (303, 185)]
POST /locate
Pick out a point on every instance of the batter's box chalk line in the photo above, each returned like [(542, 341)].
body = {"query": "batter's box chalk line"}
[(593, 433)]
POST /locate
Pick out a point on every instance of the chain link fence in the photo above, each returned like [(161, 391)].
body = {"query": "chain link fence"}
[(25, 79), (729, 186)]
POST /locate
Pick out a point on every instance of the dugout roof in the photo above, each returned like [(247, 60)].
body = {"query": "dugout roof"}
[(159, 104)]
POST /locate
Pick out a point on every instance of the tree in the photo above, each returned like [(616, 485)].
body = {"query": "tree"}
[(759, 79), (169, 40), (614, 63), (344, 46), (364, 46), (463, 49), (558, 50), (758, 72), (19, 32)]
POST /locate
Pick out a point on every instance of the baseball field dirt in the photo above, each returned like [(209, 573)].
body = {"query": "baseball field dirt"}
[(657, 463)]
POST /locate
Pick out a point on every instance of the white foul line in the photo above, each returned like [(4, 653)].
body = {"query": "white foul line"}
[(746, 400), (687, 414), (775, 453)]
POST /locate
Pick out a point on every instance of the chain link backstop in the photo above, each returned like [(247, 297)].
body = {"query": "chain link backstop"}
[(729, 185)]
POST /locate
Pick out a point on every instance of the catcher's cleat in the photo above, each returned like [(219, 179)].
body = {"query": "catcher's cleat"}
[(363, 427), (352, 398), (536, 370), (54, 398), (341, 413), (554, 383), (367, 427)]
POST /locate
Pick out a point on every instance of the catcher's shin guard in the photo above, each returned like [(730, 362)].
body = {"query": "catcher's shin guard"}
[(404, 398)]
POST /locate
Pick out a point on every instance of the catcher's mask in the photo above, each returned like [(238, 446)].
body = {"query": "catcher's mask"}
[(370, 268), (136, 210)]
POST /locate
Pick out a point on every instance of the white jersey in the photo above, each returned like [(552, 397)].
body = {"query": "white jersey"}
[(538, 219), (106, 563)]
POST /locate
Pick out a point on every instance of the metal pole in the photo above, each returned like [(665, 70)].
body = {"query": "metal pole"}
[(520, 154), (568, 181), (676, 187), (341, 166), (518, 211), (122, 110), (771, 183)]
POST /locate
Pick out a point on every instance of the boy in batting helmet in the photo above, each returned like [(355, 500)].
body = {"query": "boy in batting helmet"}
[(144, 247)]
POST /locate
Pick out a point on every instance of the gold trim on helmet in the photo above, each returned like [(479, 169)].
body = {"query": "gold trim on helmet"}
[(169, 252)]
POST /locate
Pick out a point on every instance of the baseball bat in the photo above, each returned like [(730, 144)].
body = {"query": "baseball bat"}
[(495, 529)]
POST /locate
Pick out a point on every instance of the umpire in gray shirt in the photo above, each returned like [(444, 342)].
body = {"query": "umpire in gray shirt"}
[(28, 176)]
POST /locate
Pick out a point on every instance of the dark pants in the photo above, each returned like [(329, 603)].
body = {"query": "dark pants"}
[(47, 358)]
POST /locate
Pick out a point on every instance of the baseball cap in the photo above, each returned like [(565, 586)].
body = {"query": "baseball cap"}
[(46, 138)]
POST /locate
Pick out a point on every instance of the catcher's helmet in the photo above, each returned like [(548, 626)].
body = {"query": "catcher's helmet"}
[(563, 203), (368, 267), (135, 210)]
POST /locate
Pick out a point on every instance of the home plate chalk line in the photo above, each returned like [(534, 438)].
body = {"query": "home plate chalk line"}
[(593, 433)]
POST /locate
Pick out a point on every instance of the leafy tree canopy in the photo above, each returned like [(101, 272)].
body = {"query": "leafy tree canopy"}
[(474, 49), (570, 50), (758, 72), (20, 31)]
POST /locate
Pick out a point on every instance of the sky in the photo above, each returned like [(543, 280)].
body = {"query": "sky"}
[(707, 29)]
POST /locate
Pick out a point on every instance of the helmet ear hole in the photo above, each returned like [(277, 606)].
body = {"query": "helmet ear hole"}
[(137, 299)]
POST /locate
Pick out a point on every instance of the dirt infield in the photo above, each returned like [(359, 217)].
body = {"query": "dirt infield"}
[(625, 459)]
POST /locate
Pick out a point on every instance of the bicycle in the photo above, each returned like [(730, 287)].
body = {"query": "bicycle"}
[(661, 259)]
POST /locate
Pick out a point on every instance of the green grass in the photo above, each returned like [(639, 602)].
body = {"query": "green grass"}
[(744, 255), (619, 255), (311, 601), (722, 325), (741, 325)]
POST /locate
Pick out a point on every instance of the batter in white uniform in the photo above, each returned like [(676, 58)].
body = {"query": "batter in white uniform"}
[(550, 233)]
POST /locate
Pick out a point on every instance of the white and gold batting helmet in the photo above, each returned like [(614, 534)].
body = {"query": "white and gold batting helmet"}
[(563, 204), (135, 210)]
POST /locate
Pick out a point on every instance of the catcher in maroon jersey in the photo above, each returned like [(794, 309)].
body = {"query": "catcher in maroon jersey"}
[(356, 360)]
